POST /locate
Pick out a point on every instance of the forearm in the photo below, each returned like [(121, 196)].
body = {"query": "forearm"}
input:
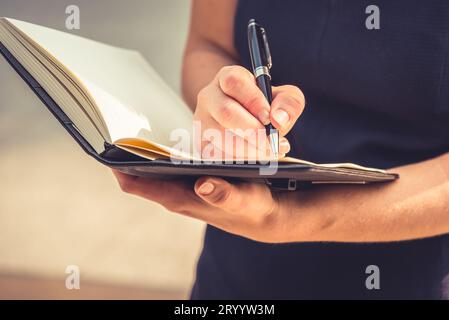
[(202, 60), (415, 206)]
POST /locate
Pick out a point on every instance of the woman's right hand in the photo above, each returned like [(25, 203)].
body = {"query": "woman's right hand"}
[(233, 103)]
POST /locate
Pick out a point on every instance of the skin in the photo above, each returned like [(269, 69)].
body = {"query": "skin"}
[(224, 95)]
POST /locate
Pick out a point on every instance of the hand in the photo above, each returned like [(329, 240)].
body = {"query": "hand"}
[(232, 101), (246, 209)]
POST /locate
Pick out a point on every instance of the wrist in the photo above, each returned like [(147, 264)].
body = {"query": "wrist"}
[(299, 218)]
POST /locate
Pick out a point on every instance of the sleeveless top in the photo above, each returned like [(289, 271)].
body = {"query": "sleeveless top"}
[(379, 98)]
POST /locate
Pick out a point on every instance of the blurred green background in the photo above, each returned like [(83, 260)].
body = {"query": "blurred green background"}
[(58, 206)]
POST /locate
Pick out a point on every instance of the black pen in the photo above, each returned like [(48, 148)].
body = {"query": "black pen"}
[(261, 64)]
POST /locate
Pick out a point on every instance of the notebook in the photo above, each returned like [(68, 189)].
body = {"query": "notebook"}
[(120, 111)]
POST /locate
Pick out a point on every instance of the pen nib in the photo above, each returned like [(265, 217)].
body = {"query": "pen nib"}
[(274, 142)]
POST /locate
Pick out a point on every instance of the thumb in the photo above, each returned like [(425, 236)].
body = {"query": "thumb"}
[(218, 193), (287, 106), (235, 198)]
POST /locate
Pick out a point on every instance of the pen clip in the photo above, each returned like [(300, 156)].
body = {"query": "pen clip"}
[(267, 47)]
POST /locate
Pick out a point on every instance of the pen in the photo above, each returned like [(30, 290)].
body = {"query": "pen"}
[(261, 64)]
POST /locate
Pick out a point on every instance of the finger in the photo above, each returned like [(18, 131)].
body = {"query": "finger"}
[(226, 111), (233, 147), (218, 143), (152, 189), (225, 144), (284, 146), (236, 143), (236, 199), (238, 83), (174, 196), (287, 106)]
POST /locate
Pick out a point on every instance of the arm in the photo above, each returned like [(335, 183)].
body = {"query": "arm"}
[(209, 45), (415, 206)]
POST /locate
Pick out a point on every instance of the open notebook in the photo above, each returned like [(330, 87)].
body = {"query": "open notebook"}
[(122, 113)]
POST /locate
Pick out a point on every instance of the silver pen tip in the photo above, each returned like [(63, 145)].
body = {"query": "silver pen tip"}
[(274, 142)]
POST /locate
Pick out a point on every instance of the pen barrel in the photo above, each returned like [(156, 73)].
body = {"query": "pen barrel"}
[(263, 82), (270, 129)]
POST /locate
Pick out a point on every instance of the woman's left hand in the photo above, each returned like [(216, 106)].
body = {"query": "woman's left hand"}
[(246, 209)]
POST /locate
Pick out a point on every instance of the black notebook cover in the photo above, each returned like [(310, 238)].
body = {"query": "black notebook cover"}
[(288, 176)]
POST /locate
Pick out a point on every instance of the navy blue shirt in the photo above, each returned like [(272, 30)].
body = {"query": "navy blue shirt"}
[(379, 98)]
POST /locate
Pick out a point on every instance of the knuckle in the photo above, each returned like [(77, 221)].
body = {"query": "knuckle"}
[(225, 112), (231, 82), (254, 103), (232, 79), (220, 197)]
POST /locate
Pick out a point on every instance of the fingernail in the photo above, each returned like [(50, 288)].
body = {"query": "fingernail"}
[(264, 117), (281, 117), (206, 188)]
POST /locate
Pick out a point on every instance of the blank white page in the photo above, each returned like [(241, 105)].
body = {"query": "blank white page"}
[(133, 100)]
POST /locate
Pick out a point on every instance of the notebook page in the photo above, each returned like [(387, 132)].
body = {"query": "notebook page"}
[(133, 100)]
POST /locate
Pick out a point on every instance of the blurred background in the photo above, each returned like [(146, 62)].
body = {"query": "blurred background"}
[(59, 207)]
